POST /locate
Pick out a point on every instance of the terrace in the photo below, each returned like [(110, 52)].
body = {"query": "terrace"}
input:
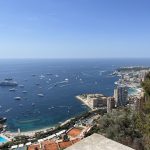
[(98, 142)]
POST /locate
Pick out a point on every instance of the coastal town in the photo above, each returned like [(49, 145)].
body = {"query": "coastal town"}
[(127, 93)]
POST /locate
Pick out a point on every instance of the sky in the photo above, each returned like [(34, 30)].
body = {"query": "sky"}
[(74, 28)]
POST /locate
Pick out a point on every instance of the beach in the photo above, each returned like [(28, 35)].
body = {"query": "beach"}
[(32, 133)]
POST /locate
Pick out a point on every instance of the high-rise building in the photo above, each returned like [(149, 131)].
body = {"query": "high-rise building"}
[(121, 95), (110, 104)]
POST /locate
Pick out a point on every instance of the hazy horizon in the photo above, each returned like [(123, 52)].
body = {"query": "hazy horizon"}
[(102, 58)]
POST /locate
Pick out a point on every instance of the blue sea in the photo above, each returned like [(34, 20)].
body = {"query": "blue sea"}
[(59, 80)]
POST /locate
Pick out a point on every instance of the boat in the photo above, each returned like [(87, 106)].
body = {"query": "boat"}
[(96, 82), (42, 76), (49, 74), (3, 120), (17, 98), (55, 85), (6, 111), (66, 79), (13, 89), (84, 104), (24, 91), (21, 85), (41, 95), (33, 104), (4, 126), (8, 83), (116, 83), (8, 79)]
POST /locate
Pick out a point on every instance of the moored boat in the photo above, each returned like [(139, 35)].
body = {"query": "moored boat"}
[(13, 89), (41, 95), (8, 83), (17, 98)]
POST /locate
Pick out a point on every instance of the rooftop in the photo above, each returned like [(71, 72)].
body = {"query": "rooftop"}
[(98, 142), (33, 147)]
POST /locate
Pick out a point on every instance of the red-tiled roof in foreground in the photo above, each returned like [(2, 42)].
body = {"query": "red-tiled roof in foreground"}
[(50, 145), (63, 145), (33, 147)]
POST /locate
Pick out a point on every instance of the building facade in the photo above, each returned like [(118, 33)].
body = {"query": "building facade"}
[(121, 96), (110, 104)]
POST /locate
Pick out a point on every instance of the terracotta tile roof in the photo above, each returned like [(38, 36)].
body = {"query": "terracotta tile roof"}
[(50, 145), (63, 145), (33, 147)]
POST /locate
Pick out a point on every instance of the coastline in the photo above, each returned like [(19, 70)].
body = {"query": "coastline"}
[(32, 132), (12, 134)]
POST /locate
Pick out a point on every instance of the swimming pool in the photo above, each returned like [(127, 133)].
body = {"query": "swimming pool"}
[(3, 140)]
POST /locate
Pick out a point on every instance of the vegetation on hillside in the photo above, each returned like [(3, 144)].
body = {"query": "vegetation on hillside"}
[(126, 126), (144, 117), (121, 126)]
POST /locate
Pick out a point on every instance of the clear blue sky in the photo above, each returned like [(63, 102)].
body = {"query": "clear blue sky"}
[(74, 28)]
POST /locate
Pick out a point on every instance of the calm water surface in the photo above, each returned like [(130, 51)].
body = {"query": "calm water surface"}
[(59, 81)]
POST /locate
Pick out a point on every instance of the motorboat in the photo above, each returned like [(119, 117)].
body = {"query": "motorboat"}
[(17, 98), (41, 95), (21, 85), (8, 83), (12, 90)]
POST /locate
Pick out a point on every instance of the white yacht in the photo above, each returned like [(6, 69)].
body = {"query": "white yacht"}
[(41, 95), (7, 82), (17, 98), (13, 89)]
